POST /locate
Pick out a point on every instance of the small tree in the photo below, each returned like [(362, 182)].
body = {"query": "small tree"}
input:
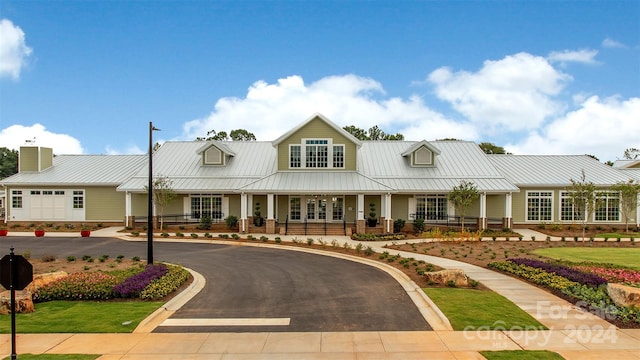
[(628, 198), (583, 197), (163, 194), (462, 196)]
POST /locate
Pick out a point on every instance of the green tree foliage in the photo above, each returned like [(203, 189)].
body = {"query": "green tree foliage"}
[(462, 196), (235, 135), (242, 135), (583, 197), (163, 194), (628, 198), (632, 154), (374, 133), (491, 148), (8, 162)]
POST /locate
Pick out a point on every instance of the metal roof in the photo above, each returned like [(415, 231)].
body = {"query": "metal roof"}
[(456, 161), (626, 163), (633, 173), (555, 170), (180, 161), (316, 181), (82, 170)]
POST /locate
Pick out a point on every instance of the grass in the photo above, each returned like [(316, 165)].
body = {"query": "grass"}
[(55, 357), (616, 235), (480, 309), (629, 257), (521, 355), (81, 317)]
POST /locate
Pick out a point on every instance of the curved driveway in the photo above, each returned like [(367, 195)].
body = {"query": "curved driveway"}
[(317, 293)]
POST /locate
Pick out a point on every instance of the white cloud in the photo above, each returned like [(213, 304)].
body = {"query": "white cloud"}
[(584, 56), (511, 94), (17, 135), (600, 127), (611, 44), (270, 110), (13, 50)]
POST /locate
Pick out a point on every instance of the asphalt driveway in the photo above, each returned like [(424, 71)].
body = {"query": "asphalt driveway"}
[(313, 292)]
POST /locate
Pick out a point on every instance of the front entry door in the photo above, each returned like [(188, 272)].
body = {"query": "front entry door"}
[(316, 209)]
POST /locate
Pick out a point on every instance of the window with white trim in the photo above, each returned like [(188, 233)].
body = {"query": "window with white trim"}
[(568, 211), (316, 153), (295, 209), (539, 205), (16, 199), (78, 199), (431, 207), (338, 208), (205, 205), (608, 208)]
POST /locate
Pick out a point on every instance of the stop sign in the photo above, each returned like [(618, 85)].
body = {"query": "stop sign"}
[(22, 268)]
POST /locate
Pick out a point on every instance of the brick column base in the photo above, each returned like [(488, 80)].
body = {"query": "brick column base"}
[(361, 226), (271, 226)]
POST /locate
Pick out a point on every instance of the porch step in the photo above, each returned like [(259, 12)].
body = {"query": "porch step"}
[(316, 229)]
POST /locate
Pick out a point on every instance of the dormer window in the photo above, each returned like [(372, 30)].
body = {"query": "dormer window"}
[(422, 154), (213, 156), (315, 154), (422, 157)]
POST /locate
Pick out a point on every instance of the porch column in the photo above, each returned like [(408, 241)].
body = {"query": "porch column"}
[(243, 212), (360, 224), (483, 211), (637, 212), (387, 211), (508, 209), (271, 221), (127, 209)]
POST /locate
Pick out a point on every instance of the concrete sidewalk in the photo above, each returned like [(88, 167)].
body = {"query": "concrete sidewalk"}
[(572, 333)]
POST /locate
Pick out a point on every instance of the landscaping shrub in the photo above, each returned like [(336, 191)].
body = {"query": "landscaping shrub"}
[(398, 224), (535, 275), (231, 221), (418, 226), (566, 272), (133, 286), (78, 286), (205, 223), (165, 285)]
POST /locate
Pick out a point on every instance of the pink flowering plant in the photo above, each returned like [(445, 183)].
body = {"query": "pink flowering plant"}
[(613, 275), (78, 286)]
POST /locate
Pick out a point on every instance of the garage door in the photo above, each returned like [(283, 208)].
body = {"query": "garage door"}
[(47, 205)]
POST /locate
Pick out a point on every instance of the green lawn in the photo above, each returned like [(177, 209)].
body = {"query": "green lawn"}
[(81, 317), (54, 357), (629, 257), (476, 308), (521, 355)]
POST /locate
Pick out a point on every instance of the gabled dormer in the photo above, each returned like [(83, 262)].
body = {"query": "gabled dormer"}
[(422, 154), (215, 153), (317, 144)]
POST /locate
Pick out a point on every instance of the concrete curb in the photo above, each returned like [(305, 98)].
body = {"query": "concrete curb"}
[(164, 312)]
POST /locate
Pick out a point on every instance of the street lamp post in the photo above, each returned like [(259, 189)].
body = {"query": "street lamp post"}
[(150, 198)]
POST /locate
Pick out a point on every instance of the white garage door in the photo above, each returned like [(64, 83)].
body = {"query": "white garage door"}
[(47, 204)]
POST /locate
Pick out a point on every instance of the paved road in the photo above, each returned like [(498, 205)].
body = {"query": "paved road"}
[(317, 293)]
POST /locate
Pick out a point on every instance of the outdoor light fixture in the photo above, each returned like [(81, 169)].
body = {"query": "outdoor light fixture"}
[(150, 197)]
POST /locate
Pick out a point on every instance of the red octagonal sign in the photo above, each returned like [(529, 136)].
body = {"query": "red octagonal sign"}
[(23, 272)]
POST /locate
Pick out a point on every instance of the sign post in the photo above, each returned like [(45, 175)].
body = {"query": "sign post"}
[(15, 274)]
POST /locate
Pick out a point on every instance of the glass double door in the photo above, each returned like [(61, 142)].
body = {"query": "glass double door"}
[(316, 208)]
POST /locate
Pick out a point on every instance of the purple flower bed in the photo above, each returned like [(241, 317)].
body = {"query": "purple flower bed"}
[(133, 286), (566, 272)]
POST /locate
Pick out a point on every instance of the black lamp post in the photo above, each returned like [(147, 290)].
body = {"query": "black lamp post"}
[(150, 198)]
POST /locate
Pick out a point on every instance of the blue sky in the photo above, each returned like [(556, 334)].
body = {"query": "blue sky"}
[(538, 77)]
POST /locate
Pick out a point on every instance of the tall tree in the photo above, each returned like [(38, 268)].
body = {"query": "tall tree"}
[(583, 197), (491, 148), (242, 135), (8, 162), (628, 198), (374, 133), (163, 194), (632, 154), (462, 196)]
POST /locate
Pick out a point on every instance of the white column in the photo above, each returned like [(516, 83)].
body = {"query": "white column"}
[(360, 207), (127, 208), (269, 206), (637, 212), (508, 208), (243, 212), (483, 209), (387, 211)]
